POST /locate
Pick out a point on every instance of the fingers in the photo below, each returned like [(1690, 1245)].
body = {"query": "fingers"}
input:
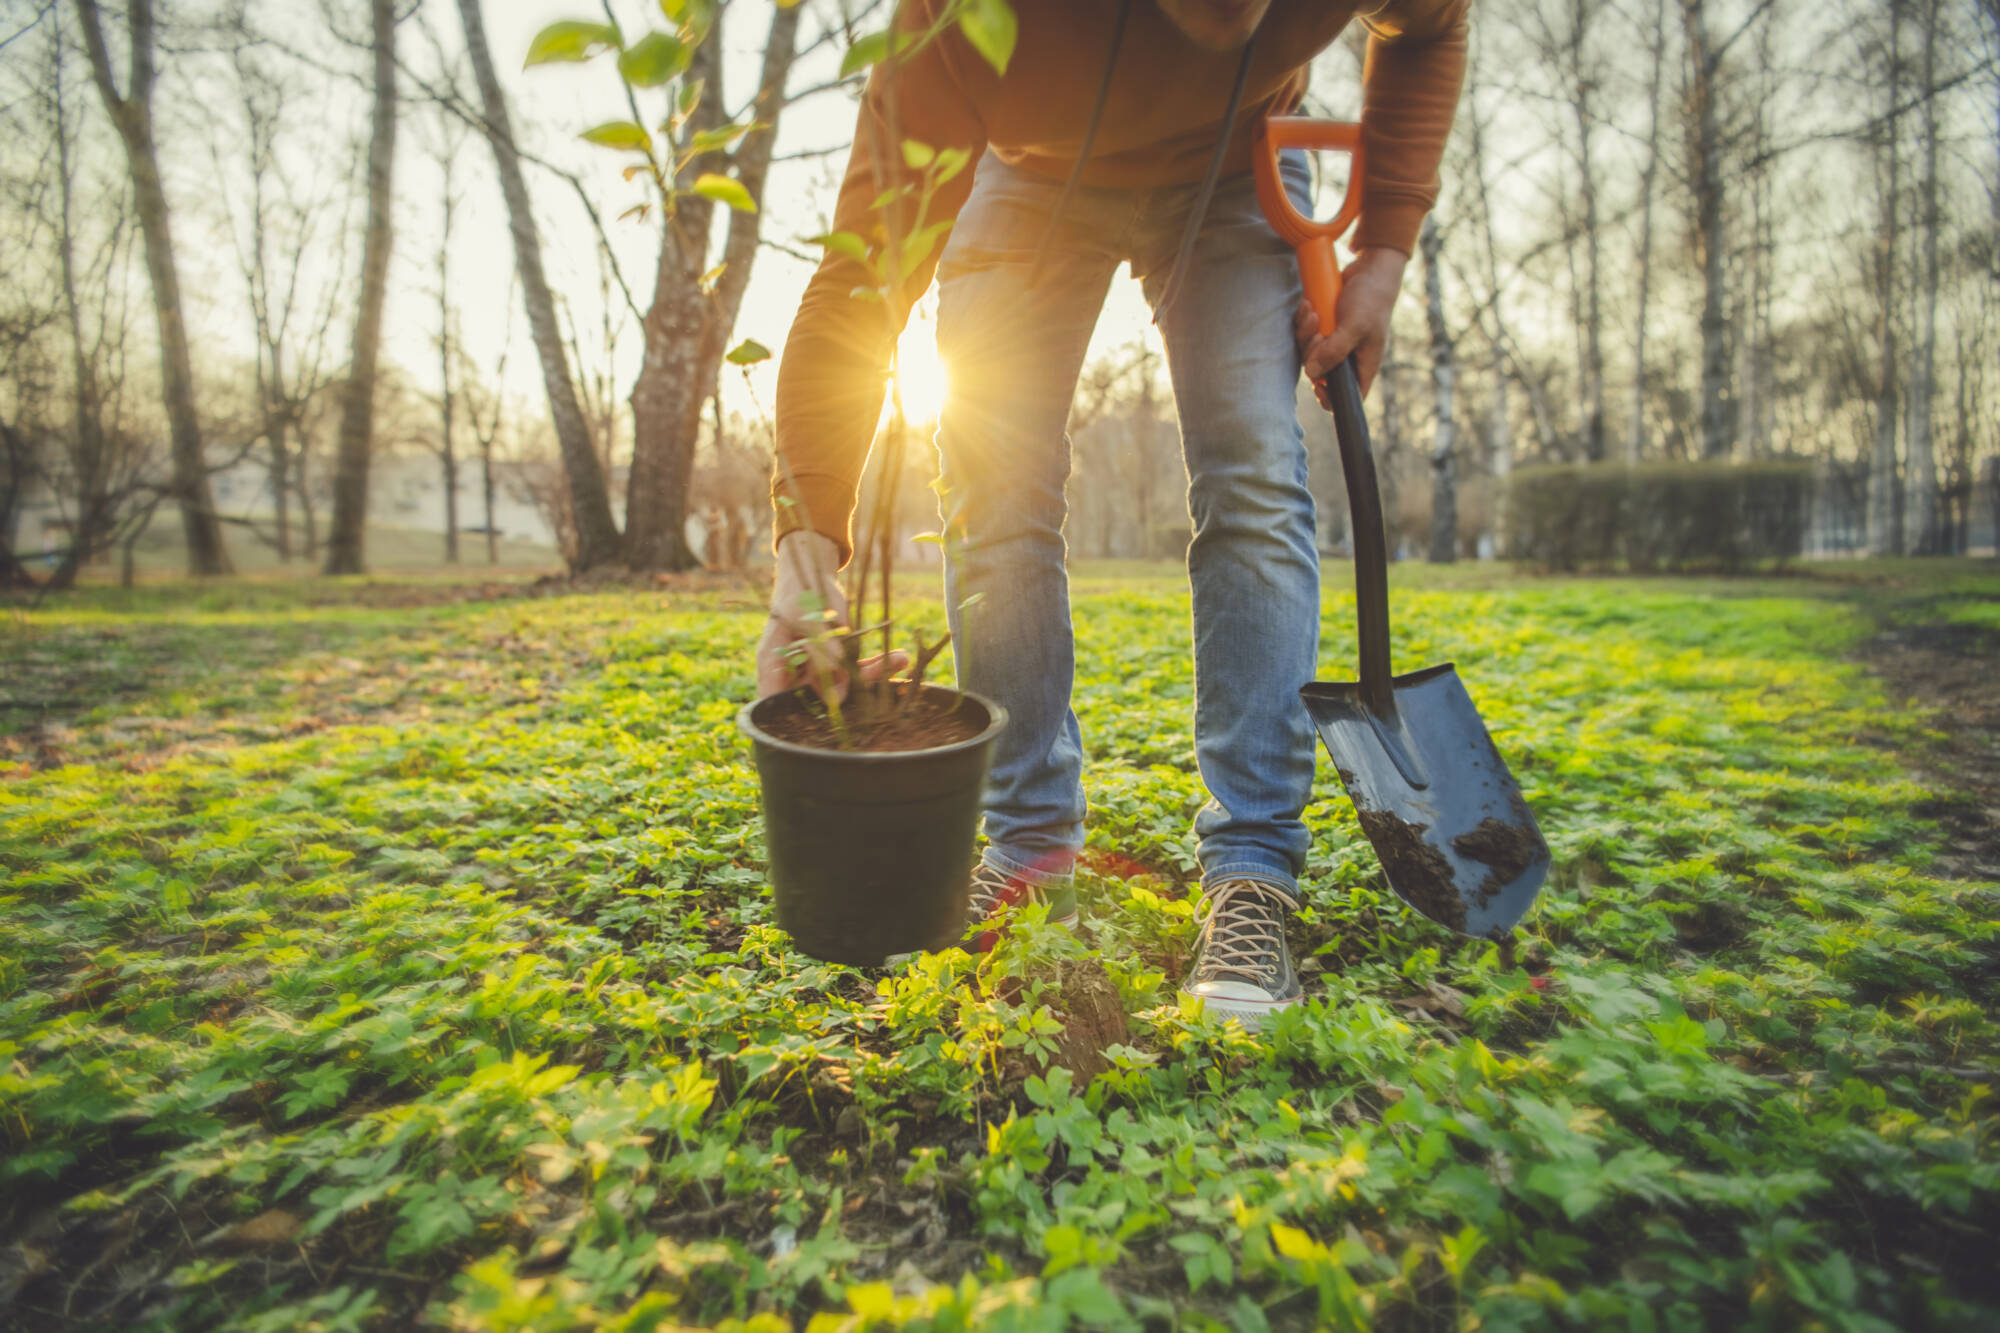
[(1367, 360), (874, 668), (775, 672), (1328, 352), (786, 658), (1305, 326)]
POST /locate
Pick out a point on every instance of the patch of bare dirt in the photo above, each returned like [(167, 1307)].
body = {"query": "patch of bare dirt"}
[(1956, 670), (1093, 1018)]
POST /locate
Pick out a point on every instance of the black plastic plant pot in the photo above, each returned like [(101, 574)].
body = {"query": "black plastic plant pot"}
[(870, 851)]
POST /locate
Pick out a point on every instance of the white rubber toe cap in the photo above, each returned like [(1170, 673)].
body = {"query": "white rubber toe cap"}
[(1238, 1000)]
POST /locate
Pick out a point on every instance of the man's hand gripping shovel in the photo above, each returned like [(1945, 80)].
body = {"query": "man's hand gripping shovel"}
[(1433, 794)]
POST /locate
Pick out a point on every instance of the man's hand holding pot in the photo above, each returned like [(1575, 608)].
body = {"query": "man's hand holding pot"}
[(801, 643)]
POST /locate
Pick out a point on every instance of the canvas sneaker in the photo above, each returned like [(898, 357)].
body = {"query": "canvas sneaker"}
[(996, 892), (1243, 969)]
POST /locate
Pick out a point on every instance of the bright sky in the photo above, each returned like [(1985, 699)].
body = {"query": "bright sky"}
[(326, 125)]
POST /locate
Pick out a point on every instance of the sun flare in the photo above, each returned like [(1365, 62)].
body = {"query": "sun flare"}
[(921, 371)]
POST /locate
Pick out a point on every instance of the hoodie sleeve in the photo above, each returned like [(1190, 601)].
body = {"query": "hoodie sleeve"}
[(1409, 95), (833, 372)]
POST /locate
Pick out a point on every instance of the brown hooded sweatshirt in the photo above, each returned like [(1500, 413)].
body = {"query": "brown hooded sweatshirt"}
[(1160, 124)]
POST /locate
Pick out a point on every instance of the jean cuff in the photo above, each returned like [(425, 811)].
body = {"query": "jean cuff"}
[(1278, 878), (1033, 868)]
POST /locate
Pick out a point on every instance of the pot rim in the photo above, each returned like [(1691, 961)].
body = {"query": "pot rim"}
[(995, 714)]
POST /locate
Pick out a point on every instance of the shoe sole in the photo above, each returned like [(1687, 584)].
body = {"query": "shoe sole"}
[(1247, 1012)]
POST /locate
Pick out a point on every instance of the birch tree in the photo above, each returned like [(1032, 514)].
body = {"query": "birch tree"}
[(1704, 131), (589, 502), (1444, 478), (695, 303), (1635, 444), (445, 154), (1885, 527), (346, 534), (1920, 521), (131, 112)]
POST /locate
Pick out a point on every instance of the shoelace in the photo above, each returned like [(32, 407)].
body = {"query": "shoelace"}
[(993, 889), (1245, 921)]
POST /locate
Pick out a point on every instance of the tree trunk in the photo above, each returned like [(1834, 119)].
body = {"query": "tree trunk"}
[(1388, 438), (686, 330), (1444, 479), (589, 503), (346, 536), (279, 439), (447, 456), (17, 469), (1499, 454), (308, 517), (1884, 513), (1499, 425), (1993, 501), (89, 458), (1593, 324), (1635, 445), (1706, 149), (1920, 524), (133, 115), (486, 489)]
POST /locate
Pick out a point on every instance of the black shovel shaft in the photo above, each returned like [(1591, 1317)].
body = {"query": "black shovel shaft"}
[(1371, 550)]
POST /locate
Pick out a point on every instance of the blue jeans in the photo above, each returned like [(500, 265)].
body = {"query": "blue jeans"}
[(1014, 355)]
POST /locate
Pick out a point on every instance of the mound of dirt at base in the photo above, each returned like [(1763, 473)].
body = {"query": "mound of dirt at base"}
[(1092, 1016)]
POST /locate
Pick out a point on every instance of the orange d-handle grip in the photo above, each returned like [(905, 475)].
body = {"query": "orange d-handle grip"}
[(1312, 240)]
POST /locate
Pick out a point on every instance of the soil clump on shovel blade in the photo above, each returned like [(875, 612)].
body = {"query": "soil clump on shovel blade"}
[(1505, 849), (919, 724), (1417, 870)]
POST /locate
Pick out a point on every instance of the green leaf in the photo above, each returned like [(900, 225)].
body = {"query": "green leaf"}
[(950, 161), (842, 243), (569, 40), (991, 27), (619, 134), (748, 353), (724, 190), (653, 59), (690, 96), (697, 12), (709, 141), (918, 245), (866, 51), (917, 155), (694, 17)]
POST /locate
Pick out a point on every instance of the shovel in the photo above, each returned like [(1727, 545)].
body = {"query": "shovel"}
[(1435, 798)]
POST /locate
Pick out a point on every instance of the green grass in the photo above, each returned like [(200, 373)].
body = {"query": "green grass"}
[(369, 965)]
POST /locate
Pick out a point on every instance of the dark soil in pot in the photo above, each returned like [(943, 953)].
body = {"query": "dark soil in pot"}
[(930, 720), (871, 847)]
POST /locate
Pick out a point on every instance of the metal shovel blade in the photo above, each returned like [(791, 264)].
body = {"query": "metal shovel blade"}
[(1464, 849)]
